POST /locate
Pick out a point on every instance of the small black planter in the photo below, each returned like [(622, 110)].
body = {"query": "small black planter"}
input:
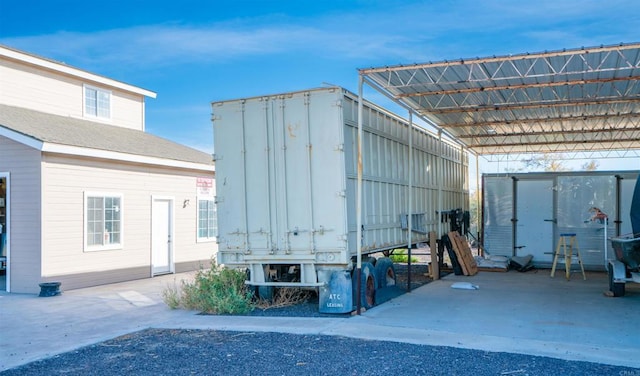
[(50, 289)]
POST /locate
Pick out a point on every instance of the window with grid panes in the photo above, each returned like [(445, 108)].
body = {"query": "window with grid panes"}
[(97, 102), (103, 221), (207, 220)]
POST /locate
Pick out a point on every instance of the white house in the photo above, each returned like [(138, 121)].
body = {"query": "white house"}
[(87, 197)]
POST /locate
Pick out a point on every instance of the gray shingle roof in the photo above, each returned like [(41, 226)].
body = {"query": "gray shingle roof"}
[(70, 131)]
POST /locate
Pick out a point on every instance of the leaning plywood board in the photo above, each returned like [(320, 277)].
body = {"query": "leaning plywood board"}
[(463, 253), (472, 265), (458, 254)]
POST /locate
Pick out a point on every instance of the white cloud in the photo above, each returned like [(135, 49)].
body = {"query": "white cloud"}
[(407, 32), (345, 34), (340, 36), (157, 44)]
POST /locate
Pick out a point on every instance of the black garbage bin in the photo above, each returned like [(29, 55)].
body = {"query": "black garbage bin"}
[(49, 288)]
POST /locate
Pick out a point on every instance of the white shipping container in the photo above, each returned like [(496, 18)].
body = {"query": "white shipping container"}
[(286, 176)]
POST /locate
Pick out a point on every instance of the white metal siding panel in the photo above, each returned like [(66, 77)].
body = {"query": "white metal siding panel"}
[(23, 164), (66, 180), (229, 140), (41, 90), (278, 199), (260, 225), (323, 187), (311, 141), (386, 177), (573, 194), (498, 212)]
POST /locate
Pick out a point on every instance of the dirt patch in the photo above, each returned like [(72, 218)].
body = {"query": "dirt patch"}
[(419, 275)]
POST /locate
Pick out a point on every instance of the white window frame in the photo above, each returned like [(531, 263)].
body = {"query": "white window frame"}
[(200, 239), (102, 247), (84, 102)]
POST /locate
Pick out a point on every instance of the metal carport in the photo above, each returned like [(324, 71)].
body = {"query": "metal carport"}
[(583, 100), (579, 100)]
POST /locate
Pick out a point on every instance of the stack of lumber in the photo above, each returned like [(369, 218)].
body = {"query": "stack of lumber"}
[(463, 253)]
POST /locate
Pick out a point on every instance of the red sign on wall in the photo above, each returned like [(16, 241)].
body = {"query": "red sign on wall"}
[(204, 186)]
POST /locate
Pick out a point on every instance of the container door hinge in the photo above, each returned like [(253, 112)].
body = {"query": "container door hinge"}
[(342, 193), (339, 147)]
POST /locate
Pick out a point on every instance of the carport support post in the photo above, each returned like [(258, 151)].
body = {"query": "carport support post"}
[(410, 211), (479, 210), (440, 177), (514, 216), (359, 202), (465, 183)]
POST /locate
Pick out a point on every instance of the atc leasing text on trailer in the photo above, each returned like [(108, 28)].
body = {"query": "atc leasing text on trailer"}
[(286, 177)]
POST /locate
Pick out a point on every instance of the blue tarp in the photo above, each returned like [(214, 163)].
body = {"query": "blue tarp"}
[(635, 209)]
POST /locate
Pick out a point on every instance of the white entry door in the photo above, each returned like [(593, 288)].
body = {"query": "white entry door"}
[(536, 222), (5, 252), (161, 236)]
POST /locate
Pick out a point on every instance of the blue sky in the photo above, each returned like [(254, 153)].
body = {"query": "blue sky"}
[(194, 52)]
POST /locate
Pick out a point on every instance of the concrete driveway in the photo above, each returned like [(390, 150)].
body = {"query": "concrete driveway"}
[(527, 313)]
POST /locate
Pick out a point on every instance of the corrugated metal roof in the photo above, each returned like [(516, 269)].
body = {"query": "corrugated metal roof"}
[(70, 131), (562, 101)]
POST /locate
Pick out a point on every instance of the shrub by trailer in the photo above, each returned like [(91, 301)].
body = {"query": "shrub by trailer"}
[(286, 177)]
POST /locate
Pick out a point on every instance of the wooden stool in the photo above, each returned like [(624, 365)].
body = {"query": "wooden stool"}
[(567, 250)]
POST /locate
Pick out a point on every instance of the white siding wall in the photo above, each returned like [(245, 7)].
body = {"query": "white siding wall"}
[(65, 181), (23, 164), (22, 85), (127, 110)]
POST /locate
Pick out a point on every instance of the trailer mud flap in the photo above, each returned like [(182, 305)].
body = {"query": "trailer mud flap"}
[(336, 296)]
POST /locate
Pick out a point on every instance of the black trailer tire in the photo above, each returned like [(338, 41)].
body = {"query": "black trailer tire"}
[(368, 286), (617, 288), (385, 272)]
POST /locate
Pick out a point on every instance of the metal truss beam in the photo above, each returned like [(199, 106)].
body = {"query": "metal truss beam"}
[(484, 89), (544, 121), (565, 133), (544, 147), (500, 59), (582, 99), (586, 155), (530, 105)]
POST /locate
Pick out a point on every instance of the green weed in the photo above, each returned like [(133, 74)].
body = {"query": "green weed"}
[(400, 256), (217, 290)]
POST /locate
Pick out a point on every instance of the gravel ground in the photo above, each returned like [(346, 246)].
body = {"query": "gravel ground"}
[(207, 352), (210, 352)]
